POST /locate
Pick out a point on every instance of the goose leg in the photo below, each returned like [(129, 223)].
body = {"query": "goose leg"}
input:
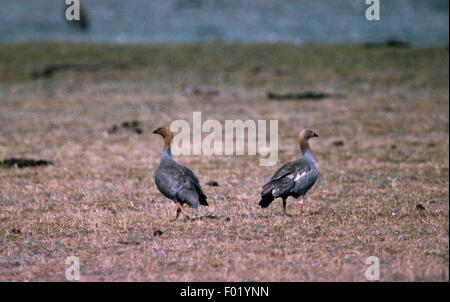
[(284, 206), (184, 212), (300, 203), (179, 209)]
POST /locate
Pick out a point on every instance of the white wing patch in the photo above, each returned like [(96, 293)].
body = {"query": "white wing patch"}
[(299, 176)]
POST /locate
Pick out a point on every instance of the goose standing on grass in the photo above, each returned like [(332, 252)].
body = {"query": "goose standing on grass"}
[(294, 178), (175, 181)]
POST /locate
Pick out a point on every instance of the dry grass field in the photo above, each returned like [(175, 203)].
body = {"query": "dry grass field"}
[(383, 191)]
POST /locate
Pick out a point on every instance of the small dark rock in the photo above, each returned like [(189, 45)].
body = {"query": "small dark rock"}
[(134, 126), (16, 231), (228, 219), (157, 233), (131, 125), (212, 183), (308, 95), (420, 207), (24, 162), (338, 143)]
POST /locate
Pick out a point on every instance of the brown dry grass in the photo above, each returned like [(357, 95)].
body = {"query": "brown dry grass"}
[(99, 201)]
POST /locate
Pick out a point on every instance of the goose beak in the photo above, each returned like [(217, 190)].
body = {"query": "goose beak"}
[(315, 135), (156, 131)]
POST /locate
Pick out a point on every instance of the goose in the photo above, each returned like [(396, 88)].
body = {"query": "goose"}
[(294, 178), (175, 181)]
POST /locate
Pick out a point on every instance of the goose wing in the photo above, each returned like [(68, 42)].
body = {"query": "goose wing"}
[(196, 184), (285, 178), (179, 183)]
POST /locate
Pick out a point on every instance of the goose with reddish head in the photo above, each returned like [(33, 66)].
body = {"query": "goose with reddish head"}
[(294, 178), (175, 181)]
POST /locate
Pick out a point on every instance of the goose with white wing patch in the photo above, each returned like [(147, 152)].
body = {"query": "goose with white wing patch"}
[(293, 178)]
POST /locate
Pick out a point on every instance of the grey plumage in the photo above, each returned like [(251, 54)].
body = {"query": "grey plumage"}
[(294, 178), (175, 181), (178, 183)]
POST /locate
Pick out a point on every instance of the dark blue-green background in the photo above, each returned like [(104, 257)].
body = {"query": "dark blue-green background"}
[(422, 22)]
